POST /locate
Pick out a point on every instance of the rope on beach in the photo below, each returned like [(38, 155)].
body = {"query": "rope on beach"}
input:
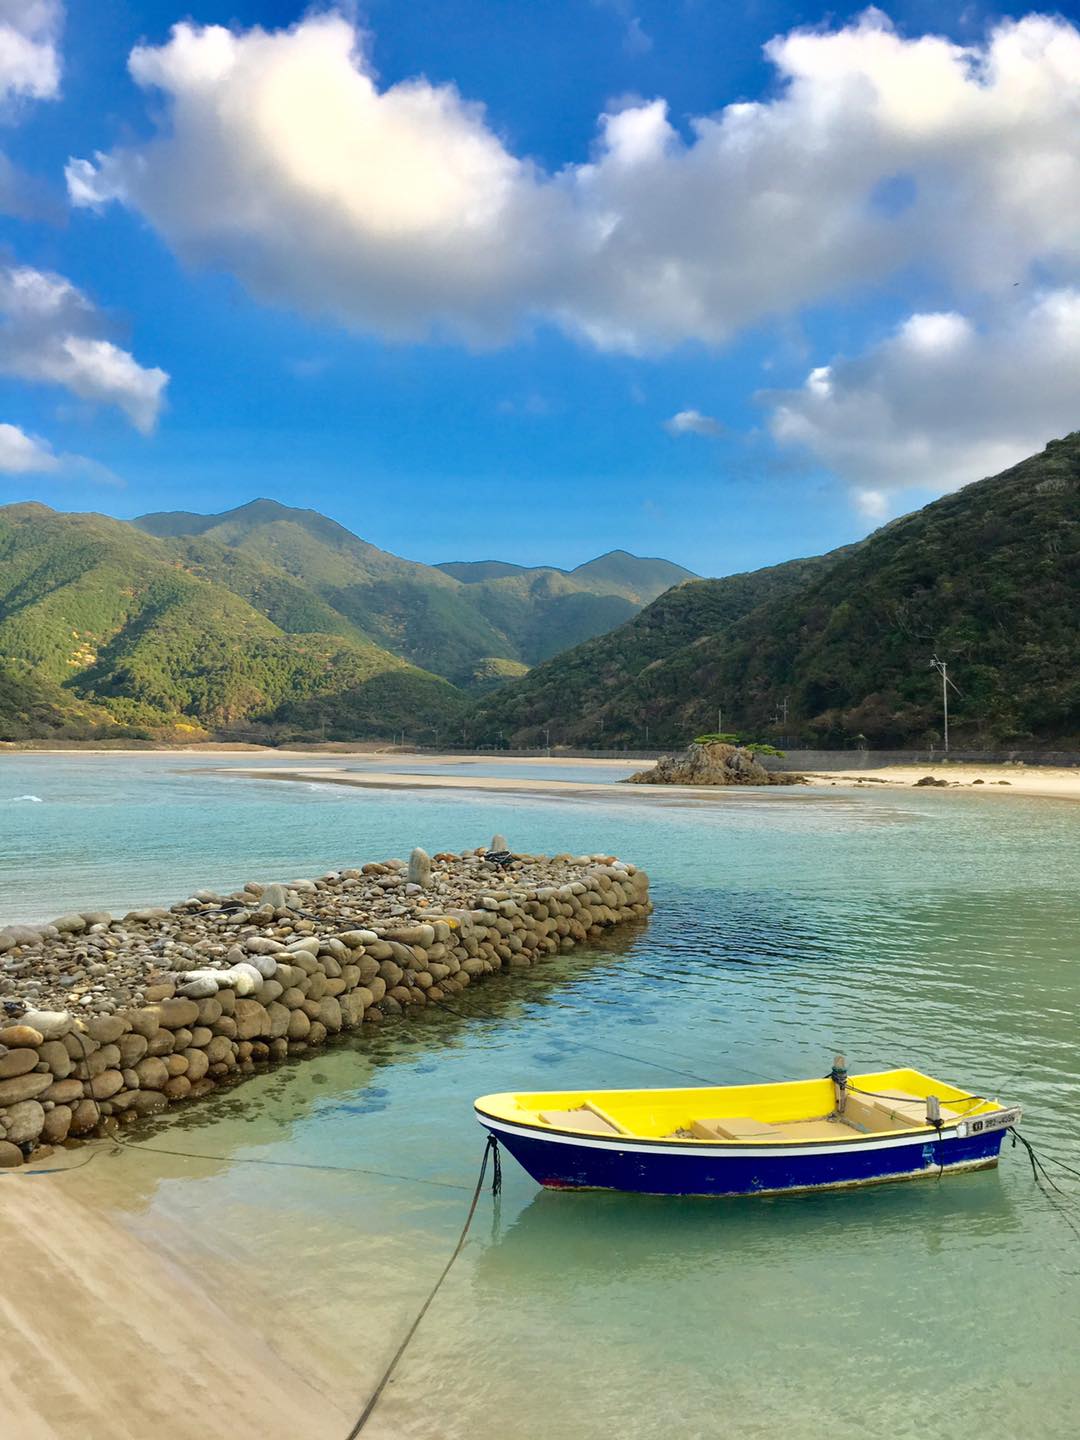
[(491, 1149)]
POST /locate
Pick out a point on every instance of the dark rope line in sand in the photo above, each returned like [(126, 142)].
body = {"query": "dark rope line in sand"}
[(290, 1164), (491, 1149), (119, 1140)]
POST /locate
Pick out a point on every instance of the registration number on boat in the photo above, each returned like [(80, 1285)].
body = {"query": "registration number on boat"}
[(996, 1120)]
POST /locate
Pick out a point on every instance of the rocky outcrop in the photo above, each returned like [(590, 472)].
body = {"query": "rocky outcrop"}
[(712, 764), (110, 1020)]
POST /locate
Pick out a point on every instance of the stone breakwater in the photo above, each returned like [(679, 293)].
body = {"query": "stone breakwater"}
[(107, 1020)]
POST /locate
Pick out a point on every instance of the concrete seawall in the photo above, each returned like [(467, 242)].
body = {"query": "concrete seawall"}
[(108, 1020)]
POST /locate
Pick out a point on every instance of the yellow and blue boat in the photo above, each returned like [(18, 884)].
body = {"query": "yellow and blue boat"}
[(750, 1139)]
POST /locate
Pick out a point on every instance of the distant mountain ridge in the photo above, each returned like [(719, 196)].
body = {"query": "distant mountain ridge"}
[(636, 577), (455, 619), (836, 651)]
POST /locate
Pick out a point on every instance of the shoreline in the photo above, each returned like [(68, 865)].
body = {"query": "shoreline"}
[(1032, 781), (1053, 783), (108, 1339), (331, 750), (336, 752)]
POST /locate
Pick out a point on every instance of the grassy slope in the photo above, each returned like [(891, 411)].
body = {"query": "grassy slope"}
[(110, 617), (987, 578), (424, 613)]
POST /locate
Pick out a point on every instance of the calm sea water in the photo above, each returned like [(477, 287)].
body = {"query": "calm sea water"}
[(934, 929)]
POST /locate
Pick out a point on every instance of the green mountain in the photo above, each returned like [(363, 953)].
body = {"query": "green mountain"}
[(103, 625), (455, 620), (987, 579), (606, 692)]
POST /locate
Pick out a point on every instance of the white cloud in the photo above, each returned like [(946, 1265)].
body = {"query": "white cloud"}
[(941, 401), (29, 70), (29, 57), (693, 422), (401, 210), (22, 454), (48, 333)]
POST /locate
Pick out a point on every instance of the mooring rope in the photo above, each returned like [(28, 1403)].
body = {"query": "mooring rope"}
[(491, 1149), (1039, 1173)]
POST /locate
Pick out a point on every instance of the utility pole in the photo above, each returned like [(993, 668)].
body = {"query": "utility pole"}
[(547, 738), (719, 719), (943, 670)]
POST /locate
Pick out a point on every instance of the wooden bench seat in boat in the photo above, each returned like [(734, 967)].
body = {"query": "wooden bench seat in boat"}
[(588, 1117), (900, 1111), (745, 1129), (732, 1127)]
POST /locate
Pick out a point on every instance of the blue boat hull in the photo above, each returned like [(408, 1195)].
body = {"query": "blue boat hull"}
[(564, 1163)]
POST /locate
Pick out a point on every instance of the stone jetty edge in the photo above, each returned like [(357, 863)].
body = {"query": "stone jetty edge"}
[(166, 1004)]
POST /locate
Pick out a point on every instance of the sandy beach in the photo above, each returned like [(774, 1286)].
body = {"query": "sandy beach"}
[(105, 1339), (1050, 783)]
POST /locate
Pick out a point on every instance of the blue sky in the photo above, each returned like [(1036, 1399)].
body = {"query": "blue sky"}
[(728, 344)]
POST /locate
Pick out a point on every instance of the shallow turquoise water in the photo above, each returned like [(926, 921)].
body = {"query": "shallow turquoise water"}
[(935, 929)]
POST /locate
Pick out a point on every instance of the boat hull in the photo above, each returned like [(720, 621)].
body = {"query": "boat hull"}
[(564, 1162)]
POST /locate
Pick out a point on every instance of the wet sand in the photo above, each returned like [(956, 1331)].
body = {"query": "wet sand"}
[(511, 785), (105, 1339), (1048, 783)]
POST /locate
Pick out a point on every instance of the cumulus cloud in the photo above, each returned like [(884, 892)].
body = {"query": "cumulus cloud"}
[(693, 422), (400, 210), (29, 57), (941, 401), (22, 454), (49, 332)]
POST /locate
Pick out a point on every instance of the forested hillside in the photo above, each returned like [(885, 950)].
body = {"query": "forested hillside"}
[(455, 620), (102, 625), (987, 579)]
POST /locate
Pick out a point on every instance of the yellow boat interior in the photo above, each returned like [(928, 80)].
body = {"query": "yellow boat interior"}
[(883, 1102)]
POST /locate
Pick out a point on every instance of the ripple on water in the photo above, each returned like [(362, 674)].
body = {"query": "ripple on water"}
[(899, 928)]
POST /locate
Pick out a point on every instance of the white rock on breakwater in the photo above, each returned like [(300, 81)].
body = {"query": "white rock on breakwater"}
[(109, 1020)]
